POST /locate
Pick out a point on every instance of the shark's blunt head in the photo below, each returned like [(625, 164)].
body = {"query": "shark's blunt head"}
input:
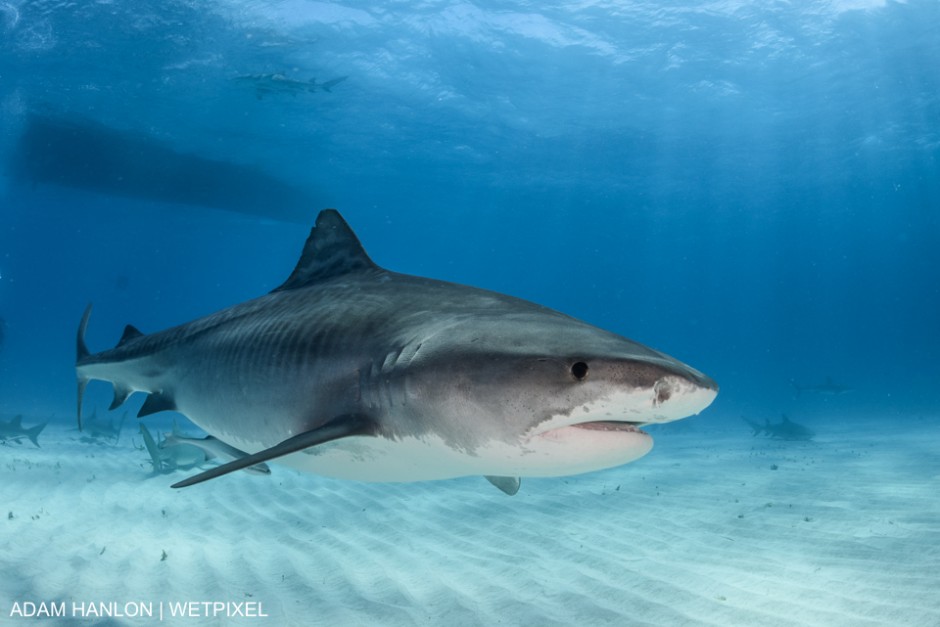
[(541, 394)]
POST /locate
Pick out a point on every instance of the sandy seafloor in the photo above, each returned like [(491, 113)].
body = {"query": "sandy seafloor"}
[(703, 531)]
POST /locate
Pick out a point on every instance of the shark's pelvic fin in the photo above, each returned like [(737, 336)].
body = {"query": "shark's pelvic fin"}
[(332, 250), (342, 427), (157, 401), (121, 392), (509, 485)]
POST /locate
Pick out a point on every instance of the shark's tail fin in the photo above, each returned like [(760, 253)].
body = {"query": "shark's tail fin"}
[(151, 448), (33, 433), (328, 86), (82, 352), (120, 427), (754, 426)]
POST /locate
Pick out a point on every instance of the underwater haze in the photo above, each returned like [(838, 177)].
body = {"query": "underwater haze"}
[(750, 187)]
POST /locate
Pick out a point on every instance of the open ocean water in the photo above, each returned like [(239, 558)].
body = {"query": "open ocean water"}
[(751, 187)]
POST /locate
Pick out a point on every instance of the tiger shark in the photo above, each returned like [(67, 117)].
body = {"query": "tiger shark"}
[(352, 371)]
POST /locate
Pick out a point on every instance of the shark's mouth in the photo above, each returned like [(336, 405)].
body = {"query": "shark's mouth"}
[(610, 425)]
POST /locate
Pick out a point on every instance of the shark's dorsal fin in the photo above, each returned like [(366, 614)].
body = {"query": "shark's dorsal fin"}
[(130, 333), (332, 250)]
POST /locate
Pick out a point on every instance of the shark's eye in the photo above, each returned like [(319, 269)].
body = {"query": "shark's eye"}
[(579, 369)]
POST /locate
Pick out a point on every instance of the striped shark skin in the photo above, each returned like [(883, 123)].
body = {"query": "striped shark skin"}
[(352, 371)]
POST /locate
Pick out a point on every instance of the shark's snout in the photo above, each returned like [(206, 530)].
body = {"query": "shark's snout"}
[(674, 397)]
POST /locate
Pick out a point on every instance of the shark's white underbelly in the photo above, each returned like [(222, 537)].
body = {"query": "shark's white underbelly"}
[(563, 452)]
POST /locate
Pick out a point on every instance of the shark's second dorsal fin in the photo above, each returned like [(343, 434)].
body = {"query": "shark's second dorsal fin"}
[(332, 250), (130, 332)]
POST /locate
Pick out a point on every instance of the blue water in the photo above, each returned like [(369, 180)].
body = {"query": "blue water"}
[(753, 188)]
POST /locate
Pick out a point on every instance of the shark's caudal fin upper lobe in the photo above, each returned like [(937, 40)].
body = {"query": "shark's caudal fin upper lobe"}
[(82, 352)]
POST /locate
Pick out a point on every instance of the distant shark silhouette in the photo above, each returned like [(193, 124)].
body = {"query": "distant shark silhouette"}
[(266, 84), (79, 153), (213, 448), (99, 429), (827, 387), (783, 430), (171, 458), (178, 452), (14, 431)]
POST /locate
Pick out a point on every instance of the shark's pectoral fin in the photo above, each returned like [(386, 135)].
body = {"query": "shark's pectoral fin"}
[(342, 427), (509, 485)]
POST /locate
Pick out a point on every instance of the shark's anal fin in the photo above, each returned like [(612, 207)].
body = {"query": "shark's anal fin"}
[(509, 485), (157, 401), (341, 427)]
